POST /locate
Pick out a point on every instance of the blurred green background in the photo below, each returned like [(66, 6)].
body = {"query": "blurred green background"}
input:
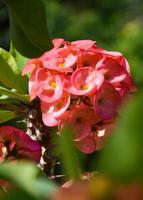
[(115, 25)]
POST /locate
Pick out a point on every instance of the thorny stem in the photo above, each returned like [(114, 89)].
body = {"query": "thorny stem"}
[(36, 128)]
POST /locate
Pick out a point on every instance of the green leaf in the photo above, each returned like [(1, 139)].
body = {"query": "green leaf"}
[(122, 158), (25, 176), (10, 74), (15, 195), (29, 27), (67, 153), (6, 115), (13, 94), (19, 59)]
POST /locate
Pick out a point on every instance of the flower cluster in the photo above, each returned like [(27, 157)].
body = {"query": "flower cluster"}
[(15, 144), (80, 84)]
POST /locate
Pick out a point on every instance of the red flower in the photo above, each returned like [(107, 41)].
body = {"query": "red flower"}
[(15, 144)]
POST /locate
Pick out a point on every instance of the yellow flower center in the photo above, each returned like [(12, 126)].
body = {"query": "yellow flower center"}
[(53, 84), (61, 64), (84, 87)]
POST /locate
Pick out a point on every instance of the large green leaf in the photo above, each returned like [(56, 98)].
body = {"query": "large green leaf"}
[(25, 176), (29, 27), (10, 74), (122, 158)]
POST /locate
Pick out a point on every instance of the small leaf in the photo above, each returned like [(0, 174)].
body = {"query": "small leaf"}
[(67, 153), (11, 93), (29, 27), (25, 176), (19, 59), (6, 115), (10, 74)]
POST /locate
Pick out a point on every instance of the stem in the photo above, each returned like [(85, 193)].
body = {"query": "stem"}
[(19, 109)]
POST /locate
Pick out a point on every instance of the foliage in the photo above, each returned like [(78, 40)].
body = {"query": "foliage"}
[(114, 25), (28, 42), (25, 177)]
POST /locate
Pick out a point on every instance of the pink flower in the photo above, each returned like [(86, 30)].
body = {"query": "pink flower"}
[(89, 58), (117, 56), (31, 65), (103, 133), (78, 77), (87, 145), (57, 42), (106, 102), (45, 84), (35, 63), (112, 70), (16, 144), (83, 44), (84, 81), (123, 88), (51, 113), (33, 86), (96, 139), (61, 59), (50, 84), (80, 118), (116, 74)]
